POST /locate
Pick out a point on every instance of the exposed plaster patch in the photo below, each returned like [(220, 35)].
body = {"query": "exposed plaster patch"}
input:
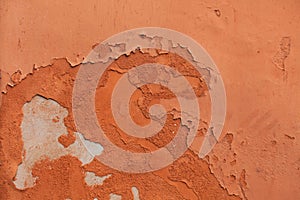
[(155, 184), (115, 197), (92, 179), (135, 193), (40, 135)]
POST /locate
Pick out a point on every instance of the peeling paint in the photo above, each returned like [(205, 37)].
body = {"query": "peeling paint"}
[(50, 172), (40, 134), (145, 38), (92, 179), (245, 39), (222, 163)]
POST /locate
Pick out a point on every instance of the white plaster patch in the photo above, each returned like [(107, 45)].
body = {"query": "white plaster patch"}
[(92, 179), (135, 193), (115, 197), (42, 125)]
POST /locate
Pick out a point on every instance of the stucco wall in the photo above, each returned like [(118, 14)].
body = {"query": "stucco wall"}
[(256, 46)]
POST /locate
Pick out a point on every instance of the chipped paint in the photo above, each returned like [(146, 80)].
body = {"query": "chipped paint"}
[(115, 197), (146, 38), (245, 41), (42, 125), (135, 193), (92, 179)]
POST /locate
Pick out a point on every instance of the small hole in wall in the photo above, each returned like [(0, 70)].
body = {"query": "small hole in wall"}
[(217, 12)]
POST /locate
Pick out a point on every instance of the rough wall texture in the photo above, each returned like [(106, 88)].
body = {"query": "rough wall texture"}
[(255, 46)]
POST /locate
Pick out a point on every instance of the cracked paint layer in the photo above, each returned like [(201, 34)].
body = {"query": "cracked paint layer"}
[(222, 163), (64, 75), (52, 174), (243, 40), (147, 38)]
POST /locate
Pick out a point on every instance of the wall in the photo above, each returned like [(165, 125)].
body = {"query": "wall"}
[(254, 45)]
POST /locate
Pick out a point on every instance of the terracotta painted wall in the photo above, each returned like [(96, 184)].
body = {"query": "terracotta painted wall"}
[(256, 46)]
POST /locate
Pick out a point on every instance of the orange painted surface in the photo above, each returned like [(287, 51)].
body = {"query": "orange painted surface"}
[(256, 47)]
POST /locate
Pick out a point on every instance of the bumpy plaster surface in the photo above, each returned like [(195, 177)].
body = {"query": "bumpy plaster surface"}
[(243, 40), (164, 40), (66, 174)]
